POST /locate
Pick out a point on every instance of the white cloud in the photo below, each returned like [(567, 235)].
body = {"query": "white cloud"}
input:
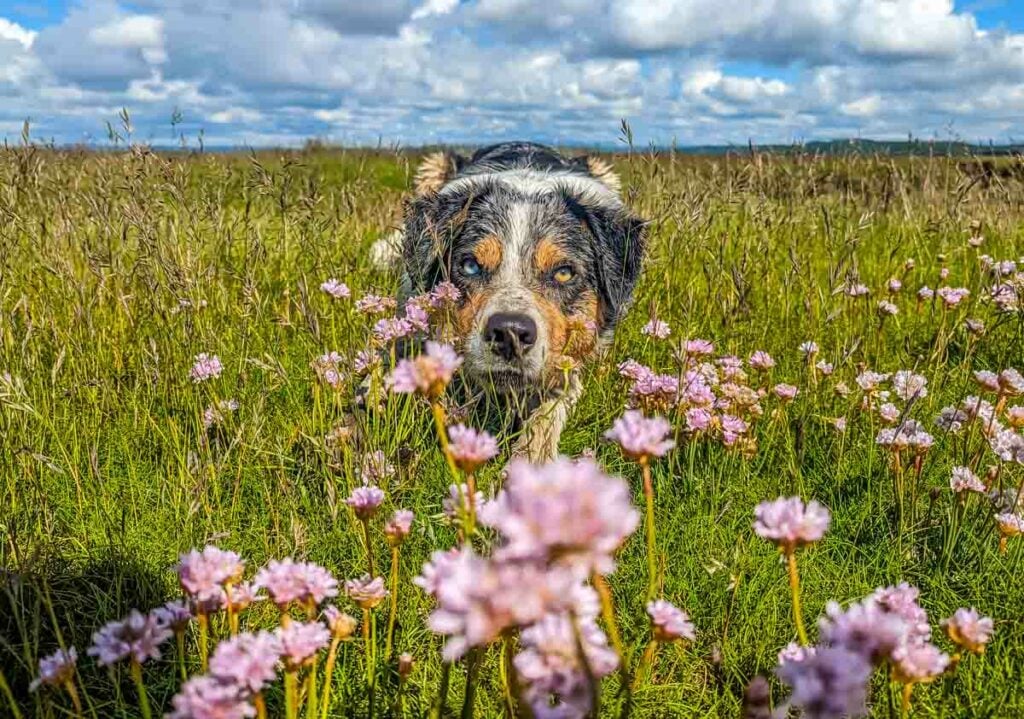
[(13, 31), (867, 106), (561, 70)]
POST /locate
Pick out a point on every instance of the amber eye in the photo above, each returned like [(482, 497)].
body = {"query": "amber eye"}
[(563, 274)]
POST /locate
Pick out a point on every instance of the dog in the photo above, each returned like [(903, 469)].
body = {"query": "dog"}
[(546, 256)]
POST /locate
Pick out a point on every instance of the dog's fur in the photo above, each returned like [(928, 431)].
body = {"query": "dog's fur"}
[(550, 239)]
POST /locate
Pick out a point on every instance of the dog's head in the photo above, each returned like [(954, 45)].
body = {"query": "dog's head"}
[(546, 265)]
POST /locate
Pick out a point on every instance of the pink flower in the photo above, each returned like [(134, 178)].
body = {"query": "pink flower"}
[(138, 635), (919, 662), (326, 368), (969, 629), (206, 367), (444, 294), (390, 329), (1010, 525), (205, 697), (204, 574), (785, 392), (887, 309), (987, 380), (669, 622), (654, 391), (1011, 382), (216, 413), (398, 528), (698, 419), (829, 684), (857, 290), (894, 285), (1015, 416), (951, 296), (456, 503), (342, 625), (365, 361), (925, 293), (174, 615), (375, 467), (809, 349), (732, 429), (864, 628), (569, 513), (633, 370), (375, 305), (416, 316), (248, 660), (428, 374), (288, 581), (300, 641), (366, 592), (658, 329), (788, 522), (641, 437), (964, 479), (794, 652), (478, 598), (699, 348), (470, 448), (557, 681), (56, 669), (908, 385), (761, 360), (870, 381), (889, 413), (337, 290), (365, 501)]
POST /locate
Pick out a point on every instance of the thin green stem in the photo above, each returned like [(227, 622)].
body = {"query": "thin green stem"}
[(140, 687), (393, 609), (442, 691), (204, 631), (652, 542), (794, 586), (332, 657), (311, 701), (291, 693), (472, 670)]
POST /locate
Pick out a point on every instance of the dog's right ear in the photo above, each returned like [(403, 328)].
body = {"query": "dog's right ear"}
[(434, 171)]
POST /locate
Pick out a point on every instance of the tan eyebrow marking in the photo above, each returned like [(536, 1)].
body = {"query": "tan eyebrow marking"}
[(488, 252), (548, 256)]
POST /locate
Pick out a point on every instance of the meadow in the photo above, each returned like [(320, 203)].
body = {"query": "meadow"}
[(119, 452)]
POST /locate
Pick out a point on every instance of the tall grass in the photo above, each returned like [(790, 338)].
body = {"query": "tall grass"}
[(117, 269)]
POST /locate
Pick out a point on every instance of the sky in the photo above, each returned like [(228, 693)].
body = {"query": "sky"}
[(256, 73)]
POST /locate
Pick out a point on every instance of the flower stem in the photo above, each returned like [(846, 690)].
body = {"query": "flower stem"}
[(369, 546), (179, 639), (908, 689), (393, 609), (646, 663), (76, 701), (442, 436), (472, 669), (204, 630), (141, 688), (5, 688), (232, 614), (442, 692), (652, 546), (291, 693), (311, 702), (332, 657), (794, 586), (261, 706), (505, 668), (608, 614)]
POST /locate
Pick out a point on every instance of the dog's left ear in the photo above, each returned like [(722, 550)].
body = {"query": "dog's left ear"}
[(619, 245)]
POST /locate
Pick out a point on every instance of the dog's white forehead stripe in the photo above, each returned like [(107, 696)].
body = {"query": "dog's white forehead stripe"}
[(536, 182), (516, 237)]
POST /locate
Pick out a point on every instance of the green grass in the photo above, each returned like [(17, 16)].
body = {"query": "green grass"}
[(105, 479)]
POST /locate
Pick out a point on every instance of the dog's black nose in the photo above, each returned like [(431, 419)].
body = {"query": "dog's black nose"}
[(510, 335)]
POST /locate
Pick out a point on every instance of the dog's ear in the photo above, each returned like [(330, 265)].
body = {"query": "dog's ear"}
[(434, 171), (619, 243)]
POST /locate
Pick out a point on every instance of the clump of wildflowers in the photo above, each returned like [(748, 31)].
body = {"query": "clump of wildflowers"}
[(206, 367)]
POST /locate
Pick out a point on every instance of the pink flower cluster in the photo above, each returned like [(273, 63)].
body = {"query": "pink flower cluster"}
[(206, 367), (790, 523), (428, 374)]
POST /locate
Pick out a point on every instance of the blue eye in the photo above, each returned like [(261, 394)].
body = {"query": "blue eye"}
[(470, 267)]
